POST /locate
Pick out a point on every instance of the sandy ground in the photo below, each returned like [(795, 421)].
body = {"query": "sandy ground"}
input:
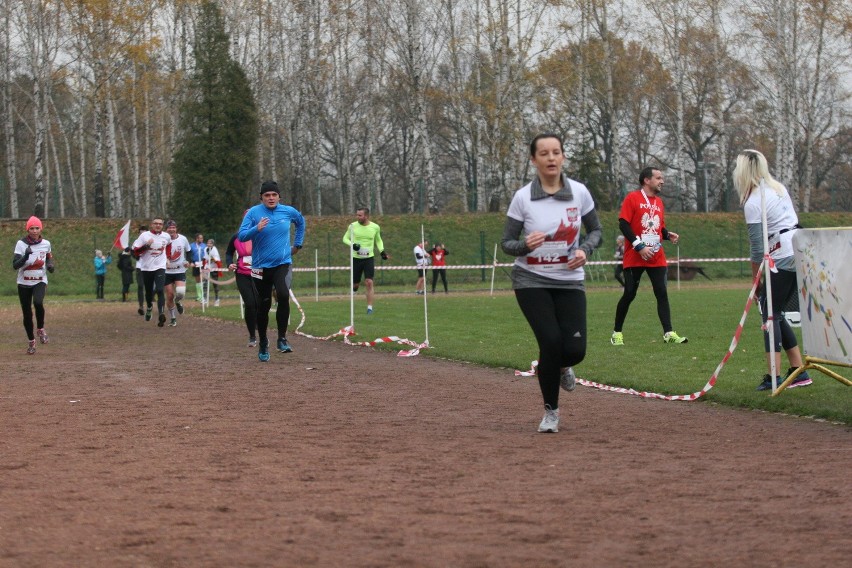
[(125, 444)]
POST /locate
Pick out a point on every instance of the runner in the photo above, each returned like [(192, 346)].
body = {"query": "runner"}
[(178, 258), (267, 225), (33, 259), (365, 238), (150, 249), (238, 258)]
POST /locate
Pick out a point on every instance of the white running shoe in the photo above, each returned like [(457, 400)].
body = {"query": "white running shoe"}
[(568, 380), (550, 422), (216, 303)]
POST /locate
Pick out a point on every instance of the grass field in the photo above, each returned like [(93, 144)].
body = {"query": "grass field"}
[(490, 330)]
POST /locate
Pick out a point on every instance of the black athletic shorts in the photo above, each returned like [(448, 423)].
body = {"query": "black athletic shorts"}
[(365, 266)]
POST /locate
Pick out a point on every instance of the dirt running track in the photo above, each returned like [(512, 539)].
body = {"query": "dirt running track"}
[(124, 444)]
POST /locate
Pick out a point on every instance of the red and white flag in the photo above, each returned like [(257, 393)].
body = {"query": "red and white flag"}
[(122, 239)]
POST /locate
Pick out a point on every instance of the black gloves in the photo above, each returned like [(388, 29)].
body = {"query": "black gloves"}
[(384, 255), (356, 247), (28, 251), (50, 266)]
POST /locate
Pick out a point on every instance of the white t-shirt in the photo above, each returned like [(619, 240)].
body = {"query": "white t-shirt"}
[(34, 270), (780, 215), (211, 257), (176, 255), (153, 258), (423, 259), (561, 221)]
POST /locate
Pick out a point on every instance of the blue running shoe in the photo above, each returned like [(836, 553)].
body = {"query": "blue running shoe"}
[(263, 350), (283, 346)]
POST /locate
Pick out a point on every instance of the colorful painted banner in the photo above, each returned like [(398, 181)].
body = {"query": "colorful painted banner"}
[(824, 274)]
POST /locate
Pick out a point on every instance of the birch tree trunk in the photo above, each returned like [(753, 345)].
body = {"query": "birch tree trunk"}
[(9, 115)]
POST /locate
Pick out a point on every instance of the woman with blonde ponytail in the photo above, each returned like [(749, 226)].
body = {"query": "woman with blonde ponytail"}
[(757, 190)]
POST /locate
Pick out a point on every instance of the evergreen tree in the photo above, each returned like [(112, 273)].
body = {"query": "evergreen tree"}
[(214, 163)]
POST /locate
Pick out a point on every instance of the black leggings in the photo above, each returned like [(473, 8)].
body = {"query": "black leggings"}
[(558, 321), (275, 277), (632, 275), (140, 287), (783, 285), (154, 281), (442, 272), (32, 296), (249, 296)]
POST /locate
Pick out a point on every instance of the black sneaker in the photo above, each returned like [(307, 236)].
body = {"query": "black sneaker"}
[(140, 311), (161, 320), (283, 346), (148, 314), (767, 382), (179, 307)]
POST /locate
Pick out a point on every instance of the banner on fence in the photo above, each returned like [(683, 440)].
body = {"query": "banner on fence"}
[(825, 294)]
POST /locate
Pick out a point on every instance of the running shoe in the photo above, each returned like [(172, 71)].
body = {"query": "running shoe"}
[(550, 422), (252, 342), (369, 311), (672, 337), (31, 347), (148, 314), (617, 338), (568, 380), (140, 311), (173, 322), (179, 307), (161, 321), (283, 346), (216, 303), (263, 350), (42, 335), (803, 380), (767, 382)]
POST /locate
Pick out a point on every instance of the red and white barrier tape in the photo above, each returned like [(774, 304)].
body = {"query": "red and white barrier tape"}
[(349, 331), (694, 396), (510, 264)]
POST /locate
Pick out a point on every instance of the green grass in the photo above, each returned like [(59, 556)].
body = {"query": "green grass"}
[(491, 331)]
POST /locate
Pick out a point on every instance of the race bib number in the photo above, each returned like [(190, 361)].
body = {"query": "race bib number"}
[(247, 261), (257, 273), (364, 251), (652, 240), (551, 255)]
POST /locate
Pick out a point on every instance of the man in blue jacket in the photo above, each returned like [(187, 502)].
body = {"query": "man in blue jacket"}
[(267, 226)]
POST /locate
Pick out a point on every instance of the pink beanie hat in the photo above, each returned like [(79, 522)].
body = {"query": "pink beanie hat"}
[(33, 222)]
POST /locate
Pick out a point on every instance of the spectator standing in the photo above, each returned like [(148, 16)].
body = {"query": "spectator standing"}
[(642, 222), (754, 184), (421, 258), (33, 259), (198, 249), (125, 266), (619, 256), (101, 263), (543, 232), (365, 239), (213, 264), (267, 226), (439, 265), (140, 281)]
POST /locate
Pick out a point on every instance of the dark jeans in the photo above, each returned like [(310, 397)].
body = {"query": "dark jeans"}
[(99, 285), (436, 272)]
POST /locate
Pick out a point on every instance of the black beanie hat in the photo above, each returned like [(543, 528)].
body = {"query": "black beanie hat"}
[(269, 186)]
